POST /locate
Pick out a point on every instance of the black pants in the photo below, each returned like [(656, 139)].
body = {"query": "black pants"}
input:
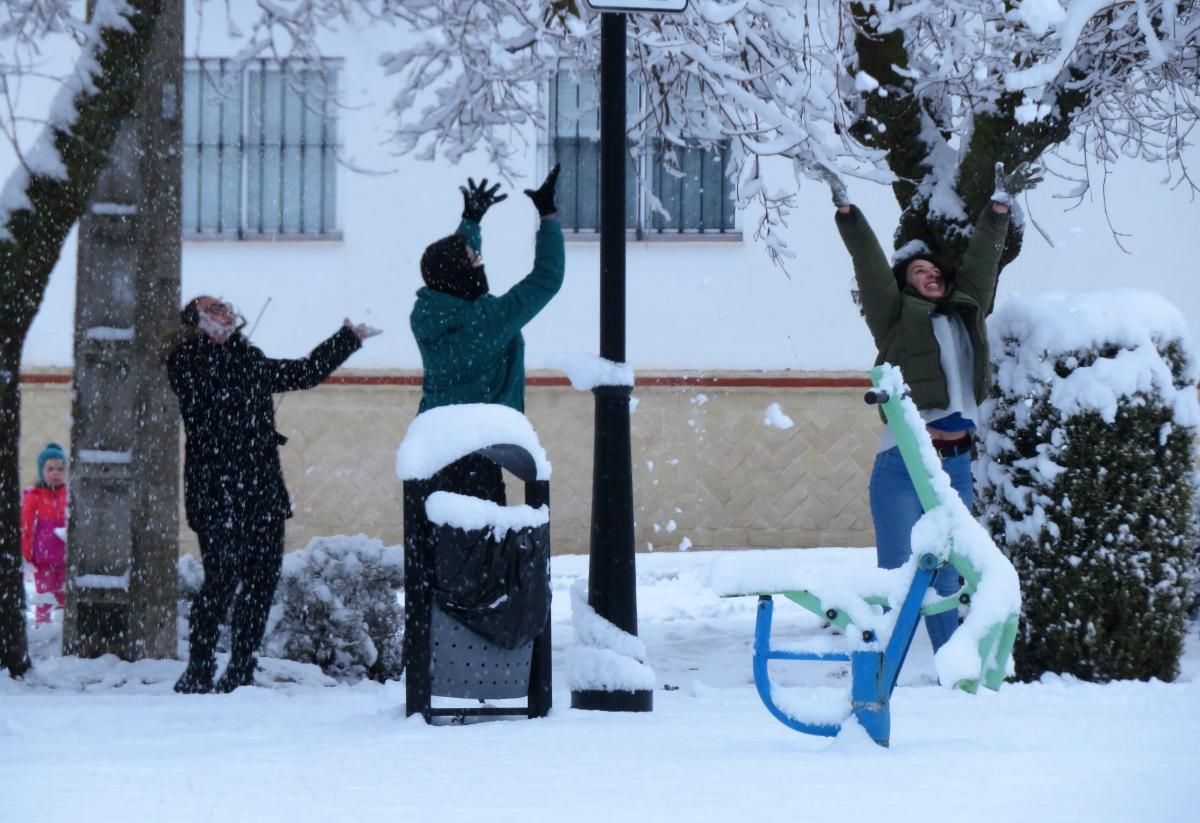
[(243, 560)]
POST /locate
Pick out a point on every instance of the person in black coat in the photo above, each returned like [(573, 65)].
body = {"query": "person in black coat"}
[(234, 495)]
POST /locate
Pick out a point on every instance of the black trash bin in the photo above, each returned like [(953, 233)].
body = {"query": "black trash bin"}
[(477, 608)]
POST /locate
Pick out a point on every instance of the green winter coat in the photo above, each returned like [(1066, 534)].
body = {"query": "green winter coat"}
[(472, 351), (900, 321)]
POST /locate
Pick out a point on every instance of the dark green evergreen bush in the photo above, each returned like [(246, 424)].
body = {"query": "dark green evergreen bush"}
[(1086, 482)]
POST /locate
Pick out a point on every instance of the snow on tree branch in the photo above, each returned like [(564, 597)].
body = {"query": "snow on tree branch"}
[(924, 95), (719, 73), (789, 80), (24, 25)]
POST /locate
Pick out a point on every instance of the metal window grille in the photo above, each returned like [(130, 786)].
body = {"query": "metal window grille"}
[(697, 195), (260, 147)]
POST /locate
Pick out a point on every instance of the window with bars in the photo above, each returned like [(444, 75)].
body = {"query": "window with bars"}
[(260, 149), (695, 192)]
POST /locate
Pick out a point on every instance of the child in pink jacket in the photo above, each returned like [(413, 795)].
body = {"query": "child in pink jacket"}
[(43, 516)]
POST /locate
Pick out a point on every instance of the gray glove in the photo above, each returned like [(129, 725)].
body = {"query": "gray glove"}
[(361, 330), (837, 187), (1022, 178)]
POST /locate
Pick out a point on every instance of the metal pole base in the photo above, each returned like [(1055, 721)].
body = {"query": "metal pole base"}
[(641, 700)]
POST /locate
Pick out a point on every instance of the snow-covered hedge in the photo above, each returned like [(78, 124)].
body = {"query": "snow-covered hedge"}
[(336, 606), (1087, 479), (190, 579)]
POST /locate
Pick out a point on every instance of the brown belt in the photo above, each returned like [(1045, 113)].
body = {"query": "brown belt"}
[(951, 448)]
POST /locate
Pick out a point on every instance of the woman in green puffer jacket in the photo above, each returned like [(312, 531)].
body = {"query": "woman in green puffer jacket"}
[(930, 321)]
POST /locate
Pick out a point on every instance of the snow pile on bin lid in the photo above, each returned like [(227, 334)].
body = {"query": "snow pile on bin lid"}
[(470, 514), (438, 437)]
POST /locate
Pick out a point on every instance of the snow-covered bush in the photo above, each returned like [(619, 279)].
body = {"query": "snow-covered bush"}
[(190, 578), (336, 606), (1087, 479)]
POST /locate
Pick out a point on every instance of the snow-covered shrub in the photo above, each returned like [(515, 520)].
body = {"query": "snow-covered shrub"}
[(191, 576), (337, 607), (1087, 478)]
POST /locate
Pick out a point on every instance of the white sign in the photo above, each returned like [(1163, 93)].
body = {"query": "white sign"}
[(652, 6)]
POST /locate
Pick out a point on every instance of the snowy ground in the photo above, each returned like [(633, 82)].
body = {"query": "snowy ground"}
[(103, 740)]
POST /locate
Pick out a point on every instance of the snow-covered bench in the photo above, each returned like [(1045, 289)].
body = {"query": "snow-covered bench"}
[(875, 613), (443, 657)]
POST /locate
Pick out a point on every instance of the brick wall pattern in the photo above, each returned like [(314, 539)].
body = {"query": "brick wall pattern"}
[(708, 471)]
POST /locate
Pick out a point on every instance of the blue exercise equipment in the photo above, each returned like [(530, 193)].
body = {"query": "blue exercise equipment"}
[(875, 662)]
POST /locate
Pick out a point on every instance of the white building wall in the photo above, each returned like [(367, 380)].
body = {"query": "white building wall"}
[(691, 305)]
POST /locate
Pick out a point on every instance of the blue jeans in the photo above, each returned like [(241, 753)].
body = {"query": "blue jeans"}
[(895, 508)]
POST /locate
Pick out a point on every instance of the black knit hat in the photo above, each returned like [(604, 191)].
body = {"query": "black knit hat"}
[(445, 268)]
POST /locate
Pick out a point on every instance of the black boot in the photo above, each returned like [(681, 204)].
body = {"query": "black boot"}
[(239, 672), (197, 677)]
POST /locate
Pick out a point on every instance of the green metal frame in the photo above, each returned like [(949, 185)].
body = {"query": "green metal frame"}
[(996, 646)]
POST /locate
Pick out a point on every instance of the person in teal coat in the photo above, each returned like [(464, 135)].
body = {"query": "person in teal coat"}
[(472, 350)]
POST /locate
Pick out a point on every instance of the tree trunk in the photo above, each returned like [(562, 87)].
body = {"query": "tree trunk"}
[(997, 137), (14, 655), (29, 254)]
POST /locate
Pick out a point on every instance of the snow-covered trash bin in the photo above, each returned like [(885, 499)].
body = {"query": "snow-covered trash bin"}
[(489, 570), (477, 571)]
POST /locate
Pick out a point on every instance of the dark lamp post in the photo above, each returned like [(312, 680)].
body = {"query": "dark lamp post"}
[(611, 570)]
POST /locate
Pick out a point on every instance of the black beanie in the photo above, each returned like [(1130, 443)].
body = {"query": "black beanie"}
[(445, 268)]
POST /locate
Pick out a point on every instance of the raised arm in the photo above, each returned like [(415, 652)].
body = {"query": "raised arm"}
[(307, 372), (496, 320), (477, 199), (979, 269), (981, 262), (876, 283), (523, 301), (509, 312), (470, 229)]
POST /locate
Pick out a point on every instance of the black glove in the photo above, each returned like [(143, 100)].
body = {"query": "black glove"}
[(1022, 178), (478, 199), (543, 196)]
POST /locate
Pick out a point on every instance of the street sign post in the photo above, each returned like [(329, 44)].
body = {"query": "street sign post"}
[(611, 569), (652, 6), (612, 574)]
